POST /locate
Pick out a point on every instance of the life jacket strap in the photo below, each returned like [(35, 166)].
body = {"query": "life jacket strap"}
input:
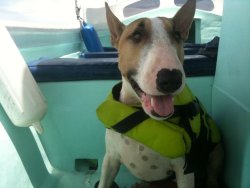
[(187, 111), (195, 159), (131, 121)]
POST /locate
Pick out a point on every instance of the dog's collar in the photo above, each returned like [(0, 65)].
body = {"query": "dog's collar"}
[(116, 91)]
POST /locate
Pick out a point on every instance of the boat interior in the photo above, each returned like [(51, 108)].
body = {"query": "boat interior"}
[(47, 59)]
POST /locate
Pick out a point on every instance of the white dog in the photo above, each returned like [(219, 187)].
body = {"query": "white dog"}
[(156, 127)]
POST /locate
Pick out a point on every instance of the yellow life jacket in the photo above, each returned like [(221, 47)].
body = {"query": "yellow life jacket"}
[(171, 138)]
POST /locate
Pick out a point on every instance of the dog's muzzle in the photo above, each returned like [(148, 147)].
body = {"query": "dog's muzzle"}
[(160, 106)]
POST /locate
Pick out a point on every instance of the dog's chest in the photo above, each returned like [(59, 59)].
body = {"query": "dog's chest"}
[(143, 162)]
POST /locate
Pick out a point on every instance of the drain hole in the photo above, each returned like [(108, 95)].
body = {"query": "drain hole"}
[(86, 164)]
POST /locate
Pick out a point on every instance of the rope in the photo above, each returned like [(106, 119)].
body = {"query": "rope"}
[(78, 9)]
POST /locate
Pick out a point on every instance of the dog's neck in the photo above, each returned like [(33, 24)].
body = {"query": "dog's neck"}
[(127, 94)]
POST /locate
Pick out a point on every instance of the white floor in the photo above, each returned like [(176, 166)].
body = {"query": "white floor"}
[(12, 172)]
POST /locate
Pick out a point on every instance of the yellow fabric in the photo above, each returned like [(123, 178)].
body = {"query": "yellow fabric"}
[(165, 137)]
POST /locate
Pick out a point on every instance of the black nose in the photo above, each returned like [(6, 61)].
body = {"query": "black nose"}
[(168, 81)]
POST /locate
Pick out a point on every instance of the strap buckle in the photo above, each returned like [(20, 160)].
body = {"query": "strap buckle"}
[(189, 110), (193, 109)]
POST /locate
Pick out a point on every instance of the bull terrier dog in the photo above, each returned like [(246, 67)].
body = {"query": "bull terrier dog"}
[(155, 126)]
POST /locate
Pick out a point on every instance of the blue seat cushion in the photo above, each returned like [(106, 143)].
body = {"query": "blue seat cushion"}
[(70, 69)]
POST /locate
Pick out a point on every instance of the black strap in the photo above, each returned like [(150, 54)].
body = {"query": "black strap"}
[(190, 164), (131, 121), (186, 112), (116, 91), (190, 110), (198, 154)]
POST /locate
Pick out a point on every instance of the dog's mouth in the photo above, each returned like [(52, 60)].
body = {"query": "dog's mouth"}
[(158, 106)]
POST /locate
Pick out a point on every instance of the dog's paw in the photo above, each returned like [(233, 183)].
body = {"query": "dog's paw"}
[(114, 185)]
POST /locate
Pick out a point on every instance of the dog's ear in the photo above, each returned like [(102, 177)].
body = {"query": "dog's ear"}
[(183, 19), (115, 26)]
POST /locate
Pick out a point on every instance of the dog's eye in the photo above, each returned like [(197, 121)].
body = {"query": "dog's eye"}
[(177, 36), (137, 36)]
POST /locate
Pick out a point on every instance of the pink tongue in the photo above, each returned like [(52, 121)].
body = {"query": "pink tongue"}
[(161, 105)]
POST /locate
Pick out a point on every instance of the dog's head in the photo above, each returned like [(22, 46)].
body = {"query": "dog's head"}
[(150, 58)]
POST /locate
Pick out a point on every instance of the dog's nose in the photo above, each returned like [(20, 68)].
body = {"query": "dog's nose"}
[(168, 81)]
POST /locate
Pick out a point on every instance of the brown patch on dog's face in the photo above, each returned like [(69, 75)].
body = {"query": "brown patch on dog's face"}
[(135, 36)]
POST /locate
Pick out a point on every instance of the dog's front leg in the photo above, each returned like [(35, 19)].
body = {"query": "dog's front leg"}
[(110, 167), (183, 180)]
